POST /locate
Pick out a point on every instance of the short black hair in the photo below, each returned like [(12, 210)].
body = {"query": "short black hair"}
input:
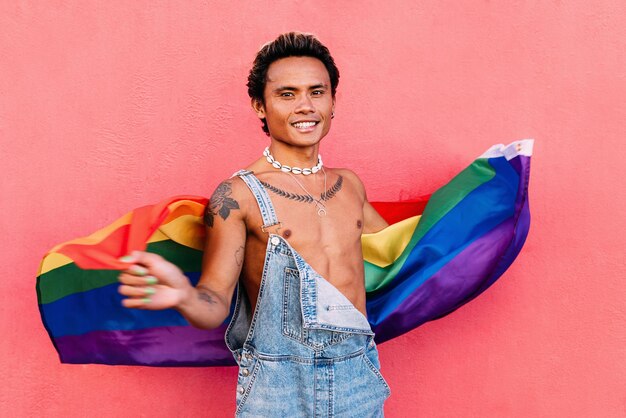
[(291, 44)]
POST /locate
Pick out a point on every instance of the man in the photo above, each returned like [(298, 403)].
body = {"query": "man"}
[(288, 229)]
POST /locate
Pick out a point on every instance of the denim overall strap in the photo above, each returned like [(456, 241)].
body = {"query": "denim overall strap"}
[(262, 198)]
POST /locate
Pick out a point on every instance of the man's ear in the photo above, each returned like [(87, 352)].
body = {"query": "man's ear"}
[(258, 107)]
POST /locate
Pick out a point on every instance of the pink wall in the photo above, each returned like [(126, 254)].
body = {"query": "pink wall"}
[(105, 106)]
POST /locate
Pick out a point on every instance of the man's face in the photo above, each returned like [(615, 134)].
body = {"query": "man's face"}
[(298, 101)]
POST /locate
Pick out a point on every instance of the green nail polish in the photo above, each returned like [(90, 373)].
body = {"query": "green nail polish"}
[(146, 300), (126, 259), (139, 272), (151, 280), (150, 290)]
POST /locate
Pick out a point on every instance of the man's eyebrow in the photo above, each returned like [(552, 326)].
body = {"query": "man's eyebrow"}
[(283, 88), (291, 88)]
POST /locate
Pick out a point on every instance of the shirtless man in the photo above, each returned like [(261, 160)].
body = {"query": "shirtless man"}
[(313, 240)]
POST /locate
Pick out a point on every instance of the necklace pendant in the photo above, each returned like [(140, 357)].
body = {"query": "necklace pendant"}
[(321, 211)]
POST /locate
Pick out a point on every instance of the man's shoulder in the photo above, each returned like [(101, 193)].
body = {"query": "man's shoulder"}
[(232, 190), (346, 172), (350, 176), (236, 186), (351, 180)]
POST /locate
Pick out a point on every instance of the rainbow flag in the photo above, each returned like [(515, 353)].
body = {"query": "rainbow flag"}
[(440, 252)]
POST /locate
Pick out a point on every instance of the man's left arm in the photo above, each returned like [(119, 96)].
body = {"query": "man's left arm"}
[(372, 221)]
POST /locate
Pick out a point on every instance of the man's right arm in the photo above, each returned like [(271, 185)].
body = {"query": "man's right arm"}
[(152, 282), (208, 304)]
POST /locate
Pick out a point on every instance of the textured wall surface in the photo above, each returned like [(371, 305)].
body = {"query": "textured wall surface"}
[(105, 106)]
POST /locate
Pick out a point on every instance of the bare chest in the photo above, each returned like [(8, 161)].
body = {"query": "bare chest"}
[(312, 224), (329, 240)]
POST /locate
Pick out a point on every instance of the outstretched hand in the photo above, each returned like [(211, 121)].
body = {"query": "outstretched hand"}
[(151, 282)]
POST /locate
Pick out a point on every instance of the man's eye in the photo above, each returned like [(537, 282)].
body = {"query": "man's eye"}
[(318, 92), (286, 94)]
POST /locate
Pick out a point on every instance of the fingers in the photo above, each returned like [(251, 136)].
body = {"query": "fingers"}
[(140, 303), (134, 280), (135, 291), (134, 261), (142, 257), (150, 281), (135, 274), (151, 264), (137, 296)]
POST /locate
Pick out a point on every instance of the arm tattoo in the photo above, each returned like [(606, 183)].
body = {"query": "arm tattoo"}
[(220, 203), (239, 255), (327, 195), (203, 294)]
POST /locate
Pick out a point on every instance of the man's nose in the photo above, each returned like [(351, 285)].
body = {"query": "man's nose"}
[(304, 104)]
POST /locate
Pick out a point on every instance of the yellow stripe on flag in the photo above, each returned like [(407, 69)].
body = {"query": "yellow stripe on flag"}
[(384, 247)]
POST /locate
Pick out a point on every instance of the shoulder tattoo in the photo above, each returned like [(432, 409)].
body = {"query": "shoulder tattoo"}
[(220, 203)]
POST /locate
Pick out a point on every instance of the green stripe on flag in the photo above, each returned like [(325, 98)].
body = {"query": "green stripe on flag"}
[(69, 279), (440, 203)]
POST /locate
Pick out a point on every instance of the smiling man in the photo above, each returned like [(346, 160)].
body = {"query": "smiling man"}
[(287, 229)]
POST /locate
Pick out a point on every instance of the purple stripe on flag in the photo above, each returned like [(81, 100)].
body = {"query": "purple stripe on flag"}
[(521, 228), (470, 273), (162, 346), (441, 293), (519, 237)]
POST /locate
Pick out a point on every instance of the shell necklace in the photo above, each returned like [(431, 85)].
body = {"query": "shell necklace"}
[(321, 208), (295, 170)]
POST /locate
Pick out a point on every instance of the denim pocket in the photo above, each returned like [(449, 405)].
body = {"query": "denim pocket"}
[(292, 320), (370, 358), (292, 309)]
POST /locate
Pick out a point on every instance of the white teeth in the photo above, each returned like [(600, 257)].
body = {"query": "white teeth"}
[(304, 125)]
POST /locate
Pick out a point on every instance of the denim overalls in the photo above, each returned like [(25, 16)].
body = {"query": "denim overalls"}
[(306, 351)]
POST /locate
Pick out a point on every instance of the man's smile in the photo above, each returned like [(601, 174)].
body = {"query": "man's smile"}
[(305, 126)]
